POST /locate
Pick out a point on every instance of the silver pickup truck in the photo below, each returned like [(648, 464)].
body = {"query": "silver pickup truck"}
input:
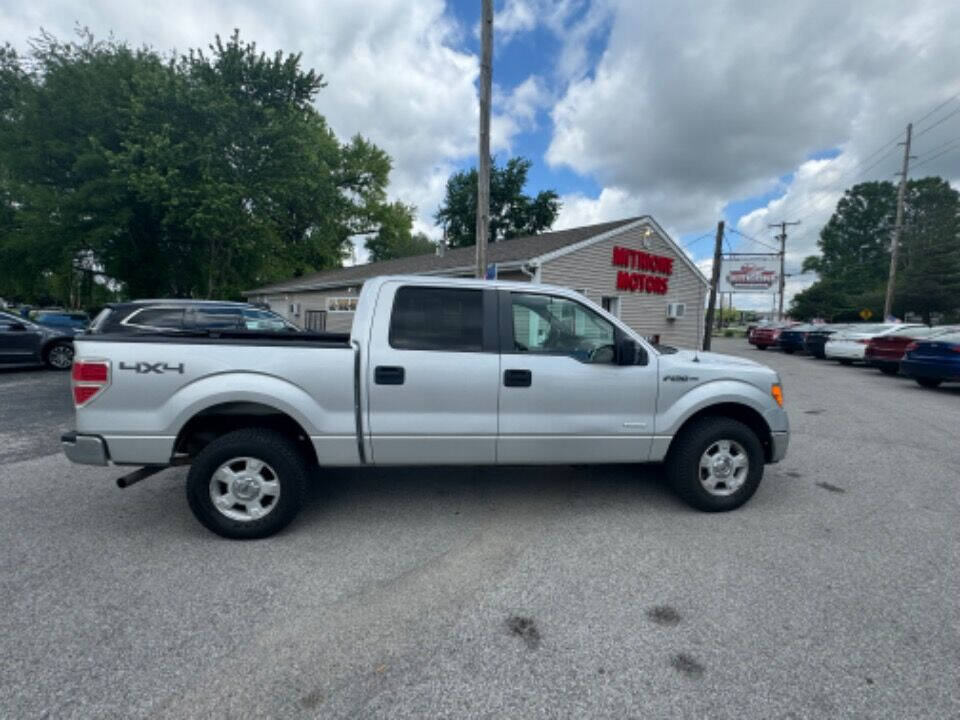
[(435, 372)]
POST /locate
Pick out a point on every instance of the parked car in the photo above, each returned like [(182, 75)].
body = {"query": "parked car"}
[(141, 316), (814, 341), (23, 342), (850, 345), (886, 352), (436, 371), (934, 360), (766, 335), (791, 338), (66, 320)]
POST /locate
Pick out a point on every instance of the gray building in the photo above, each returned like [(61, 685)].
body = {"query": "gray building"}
[(631, 267)]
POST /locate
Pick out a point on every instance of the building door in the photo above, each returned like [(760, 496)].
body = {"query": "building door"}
[(563, 399), (432, 376), (315, 321)]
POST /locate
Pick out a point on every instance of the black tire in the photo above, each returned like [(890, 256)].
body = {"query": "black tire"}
[(761, 347), (280, 454), (846, 362), (789, 351), (683, 462), (889, 369), (929, 382), (59, 355)]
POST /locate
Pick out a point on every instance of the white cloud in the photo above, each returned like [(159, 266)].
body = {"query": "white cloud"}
[(393, 67), (692, 106)]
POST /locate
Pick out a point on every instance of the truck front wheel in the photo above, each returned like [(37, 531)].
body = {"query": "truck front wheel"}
[(716, 464), (247, 484)]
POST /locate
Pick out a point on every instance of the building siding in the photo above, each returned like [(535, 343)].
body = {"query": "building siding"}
[(591, 271)]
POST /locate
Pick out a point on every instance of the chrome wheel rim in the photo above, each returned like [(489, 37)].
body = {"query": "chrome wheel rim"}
[(61, 356), (724, 467), (245, 489)]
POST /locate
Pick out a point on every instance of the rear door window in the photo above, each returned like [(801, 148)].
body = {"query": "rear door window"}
[(426, 318), (163, 318), (218, 318)]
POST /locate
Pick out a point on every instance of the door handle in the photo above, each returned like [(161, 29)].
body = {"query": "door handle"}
[(388, 375), (517, 378)]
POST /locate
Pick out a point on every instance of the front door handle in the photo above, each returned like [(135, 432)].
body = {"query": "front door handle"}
[(517, 378), (388, 375)]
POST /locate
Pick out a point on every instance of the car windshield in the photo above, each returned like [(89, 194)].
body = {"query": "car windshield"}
[(255, 319)]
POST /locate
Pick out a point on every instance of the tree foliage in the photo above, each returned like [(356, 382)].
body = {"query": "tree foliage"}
[(512, 213), (192, 176), (855, 253), (394, 238)]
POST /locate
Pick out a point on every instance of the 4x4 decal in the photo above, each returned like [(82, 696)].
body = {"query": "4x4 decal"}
[(145, 368)]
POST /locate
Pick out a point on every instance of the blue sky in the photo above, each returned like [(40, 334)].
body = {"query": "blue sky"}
[(685, 110)]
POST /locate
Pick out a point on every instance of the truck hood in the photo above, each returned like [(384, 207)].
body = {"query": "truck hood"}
[(691, 359)]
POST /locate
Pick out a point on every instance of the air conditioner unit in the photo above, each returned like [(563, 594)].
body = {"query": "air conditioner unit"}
[(676, 310), (295, 309)]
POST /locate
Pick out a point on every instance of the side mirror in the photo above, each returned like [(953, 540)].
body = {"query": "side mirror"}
[(626, 352)]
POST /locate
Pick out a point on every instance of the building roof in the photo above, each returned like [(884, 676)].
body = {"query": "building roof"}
[(505, 251)]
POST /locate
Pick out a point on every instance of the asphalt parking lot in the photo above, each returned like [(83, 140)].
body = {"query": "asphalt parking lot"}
[(545, 592)]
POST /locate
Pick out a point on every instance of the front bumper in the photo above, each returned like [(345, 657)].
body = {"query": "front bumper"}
[(84, 449), (779, 442)]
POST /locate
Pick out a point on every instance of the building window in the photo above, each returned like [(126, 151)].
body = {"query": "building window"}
[(316, 321), (426, 318), (611, 305)]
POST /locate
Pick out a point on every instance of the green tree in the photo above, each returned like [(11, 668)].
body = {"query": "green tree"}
[(928, 273), (855, 259), (512, 213), (198, 175), (394, 238)]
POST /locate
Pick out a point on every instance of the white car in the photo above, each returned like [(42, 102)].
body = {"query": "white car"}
[(848, 346)]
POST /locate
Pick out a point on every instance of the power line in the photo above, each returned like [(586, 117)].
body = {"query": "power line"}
[(753, 239), (934, 149), (929, 159), (938, 107), (687, 244), (938, 122)]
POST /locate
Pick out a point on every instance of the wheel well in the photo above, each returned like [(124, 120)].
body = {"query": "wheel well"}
[(217, 420), (743, 413)]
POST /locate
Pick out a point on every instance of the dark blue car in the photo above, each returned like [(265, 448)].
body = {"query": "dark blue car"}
[(65, 320), (791, 339), (934, 361)]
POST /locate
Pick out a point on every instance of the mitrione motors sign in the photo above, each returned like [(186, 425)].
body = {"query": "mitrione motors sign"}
[(750, 273), (649, 270)]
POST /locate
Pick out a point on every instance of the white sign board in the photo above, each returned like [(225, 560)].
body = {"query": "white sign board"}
[(342, 304), (750, 273)]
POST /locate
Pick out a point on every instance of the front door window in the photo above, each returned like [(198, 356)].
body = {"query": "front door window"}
[(546, 324)]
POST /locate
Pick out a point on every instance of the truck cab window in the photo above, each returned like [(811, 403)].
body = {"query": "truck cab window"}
[(426, 318), (552, 325)]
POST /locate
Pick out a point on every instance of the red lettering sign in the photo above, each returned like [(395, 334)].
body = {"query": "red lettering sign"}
[(649, 263)]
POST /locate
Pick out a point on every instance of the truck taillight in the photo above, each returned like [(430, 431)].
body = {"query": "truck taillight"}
[(89, 378)]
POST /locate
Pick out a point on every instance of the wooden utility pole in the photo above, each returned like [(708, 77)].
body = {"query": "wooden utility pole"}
[(782, 237), (898, 227), (483, 163), (714, 282)]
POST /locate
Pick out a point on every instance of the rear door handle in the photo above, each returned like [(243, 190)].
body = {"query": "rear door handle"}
[(517, 378), (388, 375)]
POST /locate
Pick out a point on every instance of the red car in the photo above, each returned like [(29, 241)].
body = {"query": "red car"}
[(886, 352), (764, 336)]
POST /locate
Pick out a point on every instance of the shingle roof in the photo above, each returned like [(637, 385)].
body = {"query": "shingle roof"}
[(505, 251)]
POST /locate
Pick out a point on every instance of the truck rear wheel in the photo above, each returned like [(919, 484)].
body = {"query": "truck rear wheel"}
[(716, 464), (247, 484)]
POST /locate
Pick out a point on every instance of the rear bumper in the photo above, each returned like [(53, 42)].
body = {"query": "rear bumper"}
[(845, 351), (779, 442), (84, 449)]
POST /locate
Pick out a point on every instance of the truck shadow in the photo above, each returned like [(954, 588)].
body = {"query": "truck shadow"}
[(434, 489)]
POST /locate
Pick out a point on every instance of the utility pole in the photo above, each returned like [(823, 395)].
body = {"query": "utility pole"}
[(714, 282), (483, 163), (783, 253), (898, 227)]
